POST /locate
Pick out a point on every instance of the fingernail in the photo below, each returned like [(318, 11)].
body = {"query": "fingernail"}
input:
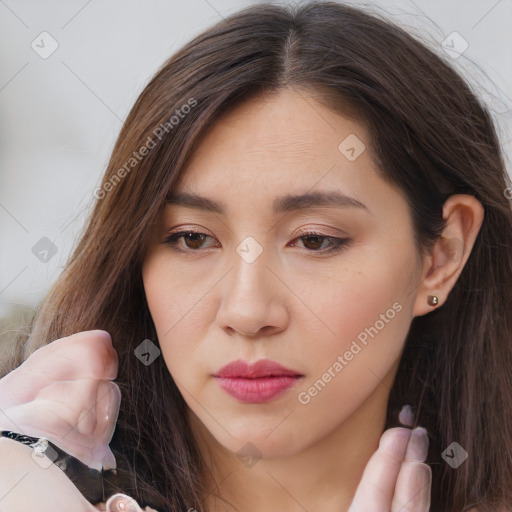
[(417, 448), (121, 502), (395, 441), (406, 417)]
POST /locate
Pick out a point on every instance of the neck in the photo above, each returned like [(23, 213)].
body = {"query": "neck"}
[(324, 476)]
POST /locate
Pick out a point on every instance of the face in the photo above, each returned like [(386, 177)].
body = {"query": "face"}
[(323, 285)]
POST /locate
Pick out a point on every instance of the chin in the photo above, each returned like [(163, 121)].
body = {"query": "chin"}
[(265, 444)]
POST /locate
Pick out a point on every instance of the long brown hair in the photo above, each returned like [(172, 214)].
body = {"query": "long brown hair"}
[(430, 135)]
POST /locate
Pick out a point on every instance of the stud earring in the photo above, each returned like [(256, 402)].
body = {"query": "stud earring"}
[(433, 300)]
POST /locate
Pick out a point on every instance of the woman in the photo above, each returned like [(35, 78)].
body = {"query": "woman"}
[(313, 186)]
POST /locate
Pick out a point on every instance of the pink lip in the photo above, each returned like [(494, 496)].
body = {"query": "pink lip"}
[(258, 382)]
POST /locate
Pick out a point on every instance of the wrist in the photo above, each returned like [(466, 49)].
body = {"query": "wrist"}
[(42, 448), (88, 481)]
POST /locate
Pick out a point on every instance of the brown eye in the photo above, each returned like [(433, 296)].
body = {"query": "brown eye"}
[(193, 240), (314, 242)]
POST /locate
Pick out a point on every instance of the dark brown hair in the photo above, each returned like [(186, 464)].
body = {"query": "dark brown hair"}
[(430, 135)]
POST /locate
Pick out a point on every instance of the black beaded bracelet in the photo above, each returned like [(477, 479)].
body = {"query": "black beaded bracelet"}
[(87, 480), (41, 446)]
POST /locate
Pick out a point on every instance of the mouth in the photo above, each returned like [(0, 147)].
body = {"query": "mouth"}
[(256, 383)]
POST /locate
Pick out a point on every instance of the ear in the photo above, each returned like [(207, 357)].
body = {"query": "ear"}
[(464, 215)]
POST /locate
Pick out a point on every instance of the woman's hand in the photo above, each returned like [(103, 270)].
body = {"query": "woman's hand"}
[(63, 392), (396, 478)]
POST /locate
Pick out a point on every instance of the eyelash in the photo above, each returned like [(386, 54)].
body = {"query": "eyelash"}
[(337, 243)]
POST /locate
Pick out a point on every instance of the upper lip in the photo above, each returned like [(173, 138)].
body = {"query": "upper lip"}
[(261, 368)]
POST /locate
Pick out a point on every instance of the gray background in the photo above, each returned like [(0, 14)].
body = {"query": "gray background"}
[(60, 115)]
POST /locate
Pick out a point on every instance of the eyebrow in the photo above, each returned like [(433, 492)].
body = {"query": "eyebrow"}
[(282, 204)]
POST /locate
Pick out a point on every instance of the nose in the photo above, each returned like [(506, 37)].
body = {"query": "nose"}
[(253, 299)]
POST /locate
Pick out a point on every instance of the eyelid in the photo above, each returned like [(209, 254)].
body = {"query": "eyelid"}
[(320, 231), (337, 243), (304, 231), (185, 227), (172, 238)]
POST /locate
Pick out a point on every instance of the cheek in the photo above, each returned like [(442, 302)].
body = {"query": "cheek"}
[(177, 306), (357, 308), (347, 301), (170, 293), (363, 316)]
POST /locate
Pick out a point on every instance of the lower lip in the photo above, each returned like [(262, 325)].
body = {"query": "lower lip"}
[(256, 390)]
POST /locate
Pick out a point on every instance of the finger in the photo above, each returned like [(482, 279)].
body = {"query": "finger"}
[(89, 436), (406, 416), (79, 417), (121, 501), (90, 406), (108, 402), (377, 486), (413, 486), (77, 400), (87, 354)]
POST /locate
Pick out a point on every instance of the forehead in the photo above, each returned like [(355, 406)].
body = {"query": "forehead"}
[(282, 141)]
